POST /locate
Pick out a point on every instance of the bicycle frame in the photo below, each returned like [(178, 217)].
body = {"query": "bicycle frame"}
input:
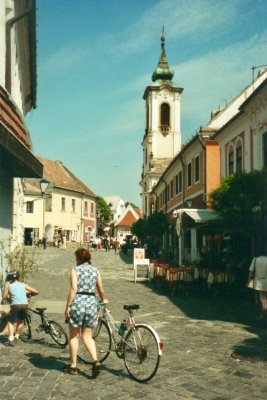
[(117, 339), (39, 321), (105, 314)]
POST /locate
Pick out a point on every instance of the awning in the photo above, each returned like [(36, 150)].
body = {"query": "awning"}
[(197, 215), (200, 216)]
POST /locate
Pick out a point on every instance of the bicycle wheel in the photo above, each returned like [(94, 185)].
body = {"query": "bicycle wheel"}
[(102, 337), (58, 334), (26, 332), (141, 353)]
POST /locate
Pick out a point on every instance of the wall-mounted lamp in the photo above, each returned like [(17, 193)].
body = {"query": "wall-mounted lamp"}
[(43, 186), (189, 203)]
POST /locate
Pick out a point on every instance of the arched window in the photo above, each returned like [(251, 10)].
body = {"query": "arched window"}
[(165, 117), (239, 157), (230, 160)]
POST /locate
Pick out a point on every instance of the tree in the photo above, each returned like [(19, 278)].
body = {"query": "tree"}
[(151, 230), (241, 203), (140, 229), (104, 214), (132, 204)]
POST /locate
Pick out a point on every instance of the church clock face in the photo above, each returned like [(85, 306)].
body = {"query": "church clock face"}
[(165, 94)]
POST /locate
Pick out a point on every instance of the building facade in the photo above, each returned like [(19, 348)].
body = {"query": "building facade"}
[(67, 209), (122, 226), (162, 139), (235, 139), (17, 98)]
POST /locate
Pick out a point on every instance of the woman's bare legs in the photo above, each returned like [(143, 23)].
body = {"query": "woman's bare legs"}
[(89, 343), (74, 345)]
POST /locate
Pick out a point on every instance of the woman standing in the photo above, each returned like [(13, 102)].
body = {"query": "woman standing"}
[(81, 309)]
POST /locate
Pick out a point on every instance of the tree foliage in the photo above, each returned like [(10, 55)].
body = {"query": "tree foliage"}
[(131, 204), (23, 259), (104, 213), (241, 202), (151, 230)]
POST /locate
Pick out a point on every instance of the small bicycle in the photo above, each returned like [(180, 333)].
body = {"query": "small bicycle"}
[(37, 317), (137, 343)]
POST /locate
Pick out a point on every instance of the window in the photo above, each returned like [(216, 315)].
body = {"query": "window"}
[(73, 205), (231, 162), (239, 159), (165, 117), (197, 176), (86, 207), (29, 207), (189, 174), (176, 184), (180, 182), (92, 208), (63, 204), (147, 117), (168, 192), (171, 189)]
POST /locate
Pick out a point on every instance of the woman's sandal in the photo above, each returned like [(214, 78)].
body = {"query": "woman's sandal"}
[(96, 369), (70, 370)]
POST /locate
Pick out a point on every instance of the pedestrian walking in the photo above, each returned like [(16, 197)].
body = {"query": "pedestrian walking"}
[(258, 273), (81, 309), (44, 241)]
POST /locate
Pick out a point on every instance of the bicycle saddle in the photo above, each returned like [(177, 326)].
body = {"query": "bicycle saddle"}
[(40, 309), (129, 307)]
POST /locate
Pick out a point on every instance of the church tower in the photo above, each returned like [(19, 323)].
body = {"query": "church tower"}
[(162, 139)]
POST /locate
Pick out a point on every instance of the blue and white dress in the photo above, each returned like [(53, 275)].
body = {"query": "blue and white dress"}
[(83, 312)]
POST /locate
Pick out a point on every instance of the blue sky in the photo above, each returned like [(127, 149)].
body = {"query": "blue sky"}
[(96, 57)]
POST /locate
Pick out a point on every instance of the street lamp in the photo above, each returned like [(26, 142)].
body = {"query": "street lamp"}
[(43, 187)]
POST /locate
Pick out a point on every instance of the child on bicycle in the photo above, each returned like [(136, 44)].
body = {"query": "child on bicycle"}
[(17, 293)]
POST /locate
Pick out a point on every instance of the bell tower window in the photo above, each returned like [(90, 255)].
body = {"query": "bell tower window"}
[(165, 118)]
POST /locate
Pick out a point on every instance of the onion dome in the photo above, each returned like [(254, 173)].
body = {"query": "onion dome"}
[(163, 71)]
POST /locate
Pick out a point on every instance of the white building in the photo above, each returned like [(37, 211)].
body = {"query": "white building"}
[(17, 97), (162, 139), (116, 205)]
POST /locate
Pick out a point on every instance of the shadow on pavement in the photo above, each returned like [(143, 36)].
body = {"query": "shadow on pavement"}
[(234, 307), (253, 349), (58, 364), (50, 363), (42, 342)]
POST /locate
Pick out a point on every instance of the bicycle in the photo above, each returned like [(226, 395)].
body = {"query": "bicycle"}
[(55, 330), (138, 344)]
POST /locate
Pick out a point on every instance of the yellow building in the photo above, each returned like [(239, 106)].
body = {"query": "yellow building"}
[(66, 211)]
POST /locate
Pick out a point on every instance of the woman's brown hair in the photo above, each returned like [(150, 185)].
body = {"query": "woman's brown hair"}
[(83, 256)]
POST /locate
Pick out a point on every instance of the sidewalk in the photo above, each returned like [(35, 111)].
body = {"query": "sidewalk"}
[(199, 335)]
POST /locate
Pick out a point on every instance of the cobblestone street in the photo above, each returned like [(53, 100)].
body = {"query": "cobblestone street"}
[(199, 333)]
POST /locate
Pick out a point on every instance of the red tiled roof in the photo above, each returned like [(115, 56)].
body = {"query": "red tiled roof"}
[(11, 118), (62, 177), (128, 219), (138, 211)]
